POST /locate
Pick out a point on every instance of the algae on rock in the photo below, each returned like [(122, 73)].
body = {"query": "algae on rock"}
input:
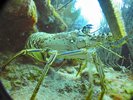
[(48, 19)]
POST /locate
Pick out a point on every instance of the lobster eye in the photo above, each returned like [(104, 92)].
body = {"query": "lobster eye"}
[(86, 29)]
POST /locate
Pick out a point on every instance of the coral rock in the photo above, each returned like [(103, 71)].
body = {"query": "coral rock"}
[(18, 19)]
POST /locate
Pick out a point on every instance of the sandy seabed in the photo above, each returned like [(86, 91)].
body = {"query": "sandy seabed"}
[(20, 80)]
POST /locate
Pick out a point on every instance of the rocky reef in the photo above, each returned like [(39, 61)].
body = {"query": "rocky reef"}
[(48, 19), (20, 18)]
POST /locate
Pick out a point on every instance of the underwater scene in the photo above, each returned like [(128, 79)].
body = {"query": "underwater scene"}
[(66, 50)]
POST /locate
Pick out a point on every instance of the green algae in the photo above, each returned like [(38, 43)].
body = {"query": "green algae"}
[(129, 89)]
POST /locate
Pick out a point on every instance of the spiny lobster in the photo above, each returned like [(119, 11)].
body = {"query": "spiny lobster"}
[(78, 44)]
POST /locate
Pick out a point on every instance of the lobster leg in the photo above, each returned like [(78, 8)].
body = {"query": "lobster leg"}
[(99, 66), (89, 61), (79, 69), (87, 56), (90, 58), (45, 70), (93, 58), (61, 65), (22, 52)]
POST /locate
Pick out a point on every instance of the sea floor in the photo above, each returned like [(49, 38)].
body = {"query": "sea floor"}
[(21, 76)]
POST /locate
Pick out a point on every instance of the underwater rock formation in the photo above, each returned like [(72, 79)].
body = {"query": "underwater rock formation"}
[(22, 13), (66, 12), (48, 19), (18, 19)]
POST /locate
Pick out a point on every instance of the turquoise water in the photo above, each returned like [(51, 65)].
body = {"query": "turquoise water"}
[(77, 42)]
